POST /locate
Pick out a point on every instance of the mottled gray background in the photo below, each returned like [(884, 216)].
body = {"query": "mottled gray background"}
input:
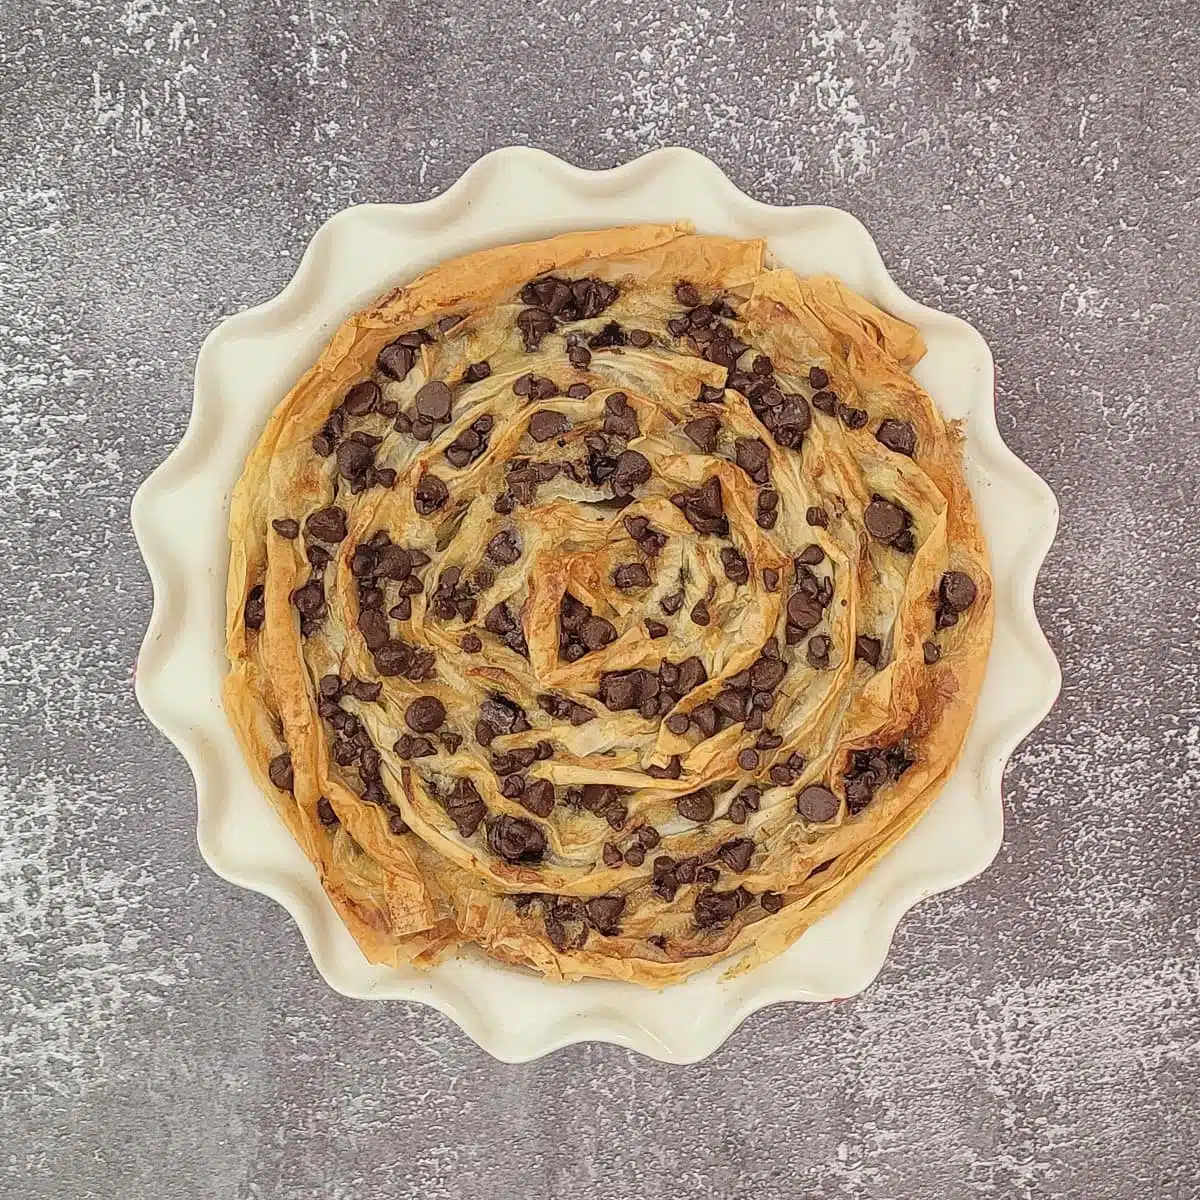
[(1029, 164)]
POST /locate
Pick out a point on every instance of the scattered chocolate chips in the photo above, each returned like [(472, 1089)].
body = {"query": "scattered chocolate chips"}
[(505, 548), (703, 432), (327, 525), (254, 611), (752, 455), (957, 591), (734, 564), (279, 771), (546, 424), (884, 520), (736, 854), (515, 839), (867, 649), (538, 797), (631, 576), (425, 714), (898, 436), (714, 909), (604, 913), (818, 651), (696, 806), (429, 495), (465, 807), (817, 803), (869, 770)]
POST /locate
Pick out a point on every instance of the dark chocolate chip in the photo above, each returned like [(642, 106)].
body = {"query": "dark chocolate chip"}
[(957, 591), (612, 855), (425, 714), (254, 612), (868, 649), (687, 294), (538, 797), (604, 913), (700, 614), (286, 527), (696, 806), (279, 771), (932, 652), (771, 902), (516, 839), (737, 854), (546, 424), (629, 576), (430, 494), (852, 418), (505, 548), (884, 520), (733, 562), (703, 432), (898, 436), (818, 378), (656, 629), (818, 651), (817, 516), (639, 338), (817, 803), (327, 524)]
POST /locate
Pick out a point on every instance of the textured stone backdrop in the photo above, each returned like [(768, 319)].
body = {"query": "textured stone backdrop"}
[(1029, 164)]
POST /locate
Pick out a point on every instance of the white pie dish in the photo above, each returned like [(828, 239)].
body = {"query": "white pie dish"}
[(247, 364)]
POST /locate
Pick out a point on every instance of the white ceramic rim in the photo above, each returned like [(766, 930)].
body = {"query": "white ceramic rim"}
[(246, 365)]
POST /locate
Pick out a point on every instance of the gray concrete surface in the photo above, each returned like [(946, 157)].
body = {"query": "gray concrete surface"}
[(1030, 164)]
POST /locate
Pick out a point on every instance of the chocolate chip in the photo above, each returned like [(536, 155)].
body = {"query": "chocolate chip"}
[(425, 714), (516, 839), (656, 629), (538, 797), (579, 391), (327, 524), (612, 855), (898, 436), (434, 401), (687, 294), (734, 564), (373, 625), (430, 494), (817, 803), (818, 651), (932, 652), (825, 402), (852, 418), (476, 371), (639, 338), (770, 579), (671, 604), (803, 611), (714, 909), (254, 612), (396, 359), (772, 902), (546, 424), (678, 723), (465, 807), (286, 528), (884, 520), (534, 324), (629, 576), (279, 771), (505, 548), (362, 398), (635, 855), (596, 632), (811, 555), (703, 432), (325, 813), (309, 598), (748, 760), (752, 455), (767, 674), (620, 419), (604, 913), (632, 470), (691, 675), (957, 591), (394, 658), (868, 649), (818, 378), (817, 516), (696, 806), (700, 614), (737, 854), (471, 644)]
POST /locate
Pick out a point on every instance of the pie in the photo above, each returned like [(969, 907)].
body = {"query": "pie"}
[(611, 603)]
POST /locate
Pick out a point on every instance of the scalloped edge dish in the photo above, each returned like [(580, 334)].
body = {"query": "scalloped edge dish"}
[(250, 360)]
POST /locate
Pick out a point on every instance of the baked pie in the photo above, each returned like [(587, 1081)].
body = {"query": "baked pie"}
[(611, 602)]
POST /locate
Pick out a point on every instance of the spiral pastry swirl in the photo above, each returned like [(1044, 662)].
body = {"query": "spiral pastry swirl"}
[(611, 602)]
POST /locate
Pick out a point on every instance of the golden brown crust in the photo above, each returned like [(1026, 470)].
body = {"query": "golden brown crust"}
[(559, 796)]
